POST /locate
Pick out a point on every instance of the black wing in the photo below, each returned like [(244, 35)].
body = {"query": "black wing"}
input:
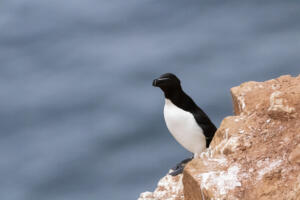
[(207, 126)]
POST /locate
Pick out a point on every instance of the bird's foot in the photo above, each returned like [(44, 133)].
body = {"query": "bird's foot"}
[(178, 169), (181, 164)]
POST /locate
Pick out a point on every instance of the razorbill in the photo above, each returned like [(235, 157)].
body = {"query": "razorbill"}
[(189, 125)]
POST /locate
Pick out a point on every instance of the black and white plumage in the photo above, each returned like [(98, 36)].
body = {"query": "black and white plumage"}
[(189, 125)]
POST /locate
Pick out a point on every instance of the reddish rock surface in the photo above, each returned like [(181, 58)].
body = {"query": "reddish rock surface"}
[(254, 154)]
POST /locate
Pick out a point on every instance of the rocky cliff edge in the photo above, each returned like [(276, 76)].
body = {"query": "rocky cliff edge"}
[(254, 154)]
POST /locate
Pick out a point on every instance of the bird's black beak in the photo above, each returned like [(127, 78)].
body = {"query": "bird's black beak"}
[(154, 83), (157, 82)]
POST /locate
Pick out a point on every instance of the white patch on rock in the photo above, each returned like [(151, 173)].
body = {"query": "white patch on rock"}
[(220, 161), (170, 185), (267, 167), (168, 188), (222, 181), (230, 144), (277, 103), (242, 104), (236, 119), (207, 156), (146, 196)]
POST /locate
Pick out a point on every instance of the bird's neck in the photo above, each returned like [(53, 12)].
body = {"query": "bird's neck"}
[(178, 97), (173, 93)]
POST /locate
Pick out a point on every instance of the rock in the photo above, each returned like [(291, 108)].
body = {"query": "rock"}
[(168, 188), (294, 156), (254, 154)]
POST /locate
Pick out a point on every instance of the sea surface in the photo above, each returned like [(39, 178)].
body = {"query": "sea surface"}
[(79, 118)]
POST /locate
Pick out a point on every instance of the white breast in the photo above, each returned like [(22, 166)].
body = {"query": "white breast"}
[(184, 128)]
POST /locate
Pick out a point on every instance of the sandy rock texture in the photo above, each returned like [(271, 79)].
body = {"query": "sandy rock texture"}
[(254, 154), (168, 188)]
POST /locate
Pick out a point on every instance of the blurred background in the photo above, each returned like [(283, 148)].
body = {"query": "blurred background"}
[(79, 116)]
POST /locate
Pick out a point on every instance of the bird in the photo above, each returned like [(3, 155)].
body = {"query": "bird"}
[(186, 121)]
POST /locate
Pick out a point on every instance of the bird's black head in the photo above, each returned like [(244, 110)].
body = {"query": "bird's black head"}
[(167, 82)]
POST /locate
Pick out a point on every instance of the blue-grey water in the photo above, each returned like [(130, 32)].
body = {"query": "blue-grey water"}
[(79, 117)]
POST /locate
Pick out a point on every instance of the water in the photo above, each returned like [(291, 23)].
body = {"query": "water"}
[(79, 117)]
